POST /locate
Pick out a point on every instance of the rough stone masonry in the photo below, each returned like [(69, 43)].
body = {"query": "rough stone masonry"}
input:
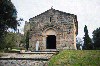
[(53, 29)]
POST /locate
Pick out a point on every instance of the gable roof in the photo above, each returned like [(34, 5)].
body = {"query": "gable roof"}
[(53, 11)]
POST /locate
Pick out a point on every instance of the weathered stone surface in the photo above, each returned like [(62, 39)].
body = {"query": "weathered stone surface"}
[(30, 59), (22, 63), (53, 22)]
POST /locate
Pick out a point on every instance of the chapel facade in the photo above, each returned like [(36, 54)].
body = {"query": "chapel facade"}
[(53, 29)]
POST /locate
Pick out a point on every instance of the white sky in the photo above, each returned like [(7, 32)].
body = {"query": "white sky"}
[(87, 11)]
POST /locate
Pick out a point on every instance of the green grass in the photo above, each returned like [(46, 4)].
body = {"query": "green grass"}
[(76, 58), (17, 48), (1, 53)]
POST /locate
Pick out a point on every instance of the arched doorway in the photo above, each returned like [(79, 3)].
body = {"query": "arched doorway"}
[(51, 42), (49, 39)]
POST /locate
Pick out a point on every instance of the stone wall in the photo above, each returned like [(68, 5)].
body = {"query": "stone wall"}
[(26, 58), (22, 63), (63, 24)]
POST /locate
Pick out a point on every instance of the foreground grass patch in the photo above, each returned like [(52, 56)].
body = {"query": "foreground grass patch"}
[(1, 54), (76, 58)]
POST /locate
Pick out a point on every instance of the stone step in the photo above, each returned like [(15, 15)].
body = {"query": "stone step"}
[(40, 52), (39, 55), (38, 58)]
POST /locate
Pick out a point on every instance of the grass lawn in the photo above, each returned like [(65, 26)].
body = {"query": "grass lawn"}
[(1, 53), (76, 58)]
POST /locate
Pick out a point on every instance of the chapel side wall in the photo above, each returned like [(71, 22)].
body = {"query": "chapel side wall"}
[(32, 35), (67, 39), (71, 36), (75, 30), (75, 36)]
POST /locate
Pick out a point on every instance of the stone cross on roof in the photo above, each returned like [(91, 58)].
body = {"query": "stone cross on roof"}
[(51, 7)]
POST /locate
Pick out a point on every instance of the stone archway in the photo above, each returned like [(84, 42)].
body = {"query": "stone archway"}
[(49, 38)]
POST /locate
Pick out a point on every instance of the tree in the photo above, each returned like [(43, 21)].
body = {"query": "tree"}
[(96, 38), (9, 40), (8, 18), (27, 40), (22, 41), (79, 43), (87, 40), (8, 15)]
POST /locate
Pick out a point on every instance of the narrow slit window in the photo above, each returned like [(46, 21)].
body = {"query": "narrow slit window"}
[(50, 19)]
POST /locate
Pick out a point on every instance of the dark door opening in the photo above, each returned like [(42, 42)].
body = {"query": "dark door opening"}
[(51, 42)]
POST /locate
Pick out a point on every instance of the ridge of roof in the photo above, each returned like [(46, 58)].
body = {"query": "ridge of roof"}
[(52, 10)]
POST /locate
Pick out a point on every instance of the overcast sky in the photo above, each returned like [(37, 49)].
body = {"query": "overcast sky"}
[(87, 11)]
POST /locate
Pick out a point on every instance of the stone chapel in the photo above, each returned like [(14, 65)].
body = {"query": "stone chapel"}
[(53, 29)]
